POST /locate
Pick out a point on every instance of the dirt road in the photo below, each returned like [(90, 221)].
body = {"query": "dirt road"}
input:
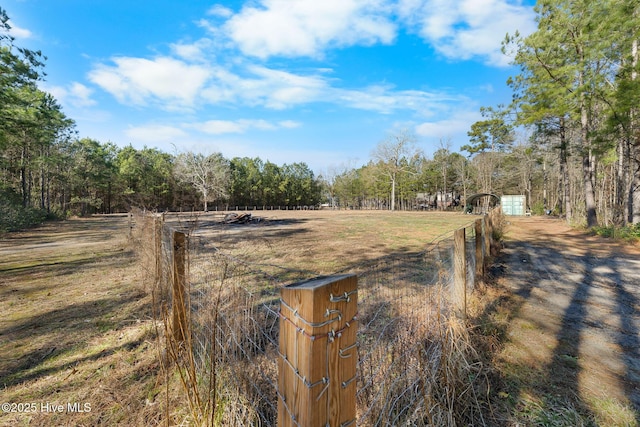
[(572, 349)]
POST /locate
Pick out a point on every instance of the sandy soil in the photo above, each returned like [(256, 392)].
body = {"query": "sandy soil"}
[(574, 327)]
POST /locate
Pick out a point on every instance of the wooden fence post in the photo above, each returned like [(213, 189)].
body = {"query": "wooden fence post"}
[(318, 355), (179, 323), (459, 290), (130, 217), (157, 237), (479, 276), (494, 219), (487, 238)]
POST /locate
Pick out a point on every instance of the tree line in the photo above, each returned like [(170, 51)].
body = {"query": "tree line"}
[(47, 170), (72, 176), (569, 141), (578, 91)]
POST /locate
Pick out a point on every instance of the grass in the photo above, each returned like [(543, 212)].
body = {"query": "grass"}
[(629, 233), (610, 412), (324, 242), (395, 342), (78, 324)]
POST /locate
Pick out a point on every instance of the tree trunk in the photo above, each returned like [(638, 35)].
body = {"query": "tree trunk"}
[(634, 152), (621, 188), (42, 187), (587, 163), (393, 193), (634, 192), (564, 174), (589, 190), (23, 177), (544, 185)]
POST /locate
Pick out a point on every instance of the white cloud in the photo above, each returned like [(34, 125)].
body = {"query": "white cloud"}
[(74, 95), (177, 83), (81, 95), (468, 28), (220, 10), (289, 124), (385, 99), (276, 89), (307, 27), (196, 51), (19, 32), (262, 86), (154, 133), (193, 77), (173, 84), (135, 80), (458, 123), (285, 89), (219, 127)]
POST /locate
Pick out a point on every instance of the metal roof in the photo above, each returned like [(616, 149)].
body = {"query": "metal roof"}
[(471, 199)]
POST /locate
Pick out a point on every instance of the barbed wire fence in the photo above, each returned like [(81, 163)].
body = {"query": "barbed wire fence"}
[(415, 364)]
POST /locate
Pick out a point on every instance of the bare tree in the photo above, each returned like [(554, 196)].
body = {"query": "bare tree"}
[(208, 174), (393, 155), (461, 165), (329, 177), (442, 157)]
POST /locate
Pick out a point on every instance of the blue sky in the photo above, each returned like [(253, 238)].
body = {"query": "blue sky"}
[(321, 82)]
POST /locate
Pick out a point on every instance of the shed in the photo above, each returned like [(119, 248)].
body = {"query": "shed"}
[(513, 204), (480, 203)]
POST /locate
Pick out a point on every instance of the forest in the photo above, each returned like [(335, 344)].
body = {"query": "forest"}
[(569, 140)]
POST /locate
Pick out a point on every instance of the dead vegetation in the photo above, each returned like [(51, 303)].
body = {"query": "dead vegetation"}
[(77, 328), (81, 324), (416, 364)]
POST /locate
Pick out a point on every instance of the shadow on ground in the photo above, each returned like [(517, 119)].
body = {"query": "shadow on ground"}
[(570, 332)]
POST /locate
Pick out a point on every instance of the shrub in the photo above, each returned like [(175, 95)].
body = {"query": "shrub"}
[(13, 216), (630, 232)]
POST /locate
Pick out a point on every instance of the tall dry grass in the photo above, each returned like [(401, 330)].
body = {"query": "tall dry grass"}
[(417, 363)]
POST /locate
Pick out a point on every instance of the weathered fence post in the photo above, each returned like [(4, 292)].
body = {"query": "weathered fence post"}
[(494, 220), (318, 357), (157, 237), (459, 290), (487, 238), (179, 323), (479, 276), (130, 217)]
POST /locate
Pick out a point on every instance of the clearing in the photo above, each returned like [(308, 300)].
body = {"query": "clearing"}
[(77, 336), (77, 343), (76, 326), (570, 324)]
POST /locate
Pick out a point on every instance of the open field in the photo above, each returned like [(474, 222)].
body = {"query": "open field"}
[(77, 327), (326, 241)]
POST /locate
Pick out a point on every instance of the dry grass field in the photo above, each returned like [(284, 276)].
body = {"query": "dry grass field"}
[(326, 241), (77, 339)]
